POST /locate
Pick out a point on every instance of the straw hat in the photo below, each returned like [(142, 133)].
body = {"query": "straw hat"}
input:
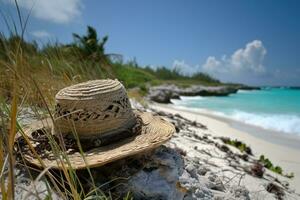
[(99, 115)]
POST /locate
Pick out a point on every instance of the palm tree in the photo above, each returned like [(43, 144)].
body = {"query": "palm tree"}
[(91, 46)]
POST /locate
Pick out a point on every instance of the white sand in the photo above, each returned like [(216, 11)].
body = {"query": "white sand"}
[(280, 154)]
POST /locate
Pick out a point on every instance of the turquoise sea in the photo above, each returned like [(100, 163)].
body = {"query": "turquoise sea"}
[(275, 109)]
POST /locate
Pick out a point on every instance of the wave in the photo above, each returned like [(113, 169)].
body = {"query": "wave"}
[(244, 91), (192, 97), (277, 122), (184, 100)]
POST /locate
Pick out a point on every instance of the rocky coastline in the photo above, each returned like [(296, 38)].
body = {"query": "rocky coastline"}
[(164, 93)]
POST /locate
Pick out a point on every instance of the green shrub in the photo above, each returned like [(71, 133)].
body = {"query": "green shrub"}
[(84, 59), (238, 144), (132, 76), (204, 77), (143, 89), (277, 169)]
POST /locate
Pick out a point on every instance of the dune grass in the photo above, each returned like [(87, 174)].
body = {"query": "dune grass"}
[(66, 184), (23, 84)]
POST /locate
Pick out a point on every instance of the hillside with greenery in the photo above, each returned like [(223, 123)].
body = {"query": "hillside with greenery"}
[(56, 65)]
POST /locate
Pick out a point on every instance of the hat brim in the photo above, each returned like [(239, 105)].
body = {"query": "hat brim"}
[(154, 131)]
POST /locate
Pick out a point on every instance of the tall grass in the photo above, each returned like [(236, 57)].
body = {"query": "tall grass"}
[(30, 77), (11, 140), (66, 183)]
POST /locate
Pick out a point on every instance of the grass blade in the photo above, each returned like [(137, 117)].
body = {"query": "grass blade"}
[(11, 140)]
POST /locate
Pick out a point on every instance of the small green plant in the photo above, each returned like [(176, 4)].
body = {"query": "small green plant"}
[(143, 89), (277, 169), (238, 144)]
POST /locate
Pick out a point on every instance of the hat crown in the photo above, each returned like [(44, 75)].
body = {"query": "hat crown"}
[(93, 108)]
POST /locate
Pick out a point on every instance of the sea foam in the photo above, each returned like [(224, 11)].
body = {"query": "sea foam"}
[(276, 109), (276, 122)]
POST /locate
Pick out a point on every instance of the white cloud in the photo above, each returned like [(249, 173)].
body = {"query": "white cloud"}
[(212, 64), (242, 61), (57, 11), (184, 68), (41, 34)]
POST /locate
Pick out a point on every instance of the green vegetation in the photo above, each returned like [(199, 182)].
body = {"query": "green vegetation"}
[(90, 46), (262, 159), (56, 65), (238, 144), (277, 169)]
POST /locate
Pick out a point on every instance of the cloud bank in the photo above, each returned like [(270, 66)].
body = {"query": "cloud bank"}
[(242, 61), (56, 11), (243, 65), (185, 68)]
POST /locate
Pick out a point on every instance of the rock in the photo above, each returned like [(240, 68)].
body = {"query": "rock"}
[(178, 115), (199, 90), (244, 157), (195, 188), (136, 105), (192, 170), (27, 115), (248, 150), (276, 189), (199, 181), (224, 139), (25, 188), (202, 170), (247, 87), (175, 95), (257, 170), (223, 148), (178, 125), (159, 179), (239, 192), (215, 182), (164, 93), (180, 122), (161, 95)]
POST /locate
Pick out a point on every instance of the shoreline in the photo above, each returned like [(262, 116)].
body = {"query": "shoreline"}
[(276, 137), (280, 149)]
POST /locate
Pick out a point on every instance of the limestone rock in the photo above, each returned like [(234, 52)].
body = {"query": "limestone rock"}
[(164, 93), (159, 179)]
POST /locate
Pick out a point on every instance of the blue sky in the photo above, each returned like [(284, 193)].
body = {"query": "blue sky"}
[(255, 42)]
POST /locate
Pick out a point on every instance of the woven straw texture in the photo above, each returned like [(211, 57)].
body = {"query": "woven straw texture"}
[(93, 108), (155, 131)]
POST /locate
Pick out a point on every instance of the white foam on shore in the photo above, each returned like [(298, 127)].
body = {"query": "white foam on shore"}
[(244, 91), (275, 122), (278, 122), (188, 98)]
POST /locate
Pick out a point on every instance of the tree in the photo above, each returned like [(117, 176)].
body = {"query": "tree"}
[(91, 46)]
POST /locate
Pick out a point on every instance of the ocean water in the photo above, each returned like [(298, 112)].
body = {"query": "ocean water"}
[(275, 109)]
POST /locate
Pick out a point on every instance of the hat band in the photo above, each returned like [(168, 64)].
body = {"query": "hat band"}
[(108, 138)]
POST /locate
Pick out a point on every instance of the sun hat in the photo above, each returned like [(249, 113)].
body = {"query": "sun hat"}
[(97, 113)]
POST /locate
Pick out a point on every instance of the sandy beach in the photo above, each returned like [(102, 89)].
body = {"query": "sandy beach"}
[(282, 150)]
